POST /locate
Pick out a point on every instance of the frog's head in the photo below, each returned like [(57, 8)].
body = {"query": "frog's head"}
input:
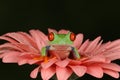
[(61, 39)]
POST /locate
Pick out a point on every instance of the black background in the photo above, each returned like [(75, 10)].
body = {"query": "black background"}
[(91, 17)]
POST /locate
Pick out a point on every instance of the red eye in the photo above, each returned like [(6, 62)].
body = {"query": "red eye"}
[(72, 36), (51, 36)]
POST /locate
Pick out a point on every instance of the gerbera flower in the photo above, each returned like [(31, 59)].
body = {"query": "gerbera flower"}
[(95, 57)]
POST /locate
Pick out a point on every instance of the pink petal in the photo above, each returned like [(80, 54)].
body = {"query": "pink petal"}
[(11, 46), (113, 49), (78, 40), (93, 44), (3, 51), (83, 47), (22, 61), (18, 37), (98, 58), (33, 61), (11, 57), (114, 43), (38, 39), (95, 71), (79, 70), (8, 39), (99, 44), (44, 38), (34, 73), (28, 38), (63, 73), (47, 73), (27, 48), (102, 48), (75, 62), (114, 74), (19, 47), (51, 30), (63, 63), (3, 54), (48, 64), (63, 31), (28, 58), (113, 56), (29, 54), (110, 66), (97, 48)]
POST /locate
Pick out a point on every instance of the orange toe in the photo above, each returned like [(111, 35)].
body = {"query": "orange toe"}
[(45, 59)]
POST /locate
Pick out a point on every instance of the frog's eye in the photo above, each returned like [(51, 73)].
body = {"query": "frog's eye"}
[(51, 36), (72, 36)]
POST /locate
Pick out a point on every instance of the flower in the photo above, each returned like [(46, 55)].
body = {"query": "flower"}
[(96, 57)]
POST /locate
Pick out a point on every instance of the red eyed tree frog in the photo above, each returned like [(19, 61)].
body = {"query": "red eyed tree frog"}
[(60, 46)]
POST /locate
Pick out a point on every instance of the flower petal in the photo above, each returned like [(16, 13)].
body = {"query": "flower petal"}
[(26, 47), (38, 39), (18, 37), (47, 73), (63, 73), (95, 71), (110, 66), (3, 54), (113, 44), (22, 61), (48, 64), (44, 38), (97, 48), (11, 57), (83, 47), (63, 63), (51, 30), (28, 38), (112, 73), (75, 62), (78, 40), (79, 70), (8, 46), (8, 39), (113, 56), (34, 72), (102, 48), (33, 61), (63, 31), (98, 58), (93, 44)]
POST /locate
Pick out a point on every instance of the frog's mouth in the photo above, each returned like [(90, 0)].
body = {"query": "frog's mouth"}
[(60, 47), (60, 51)]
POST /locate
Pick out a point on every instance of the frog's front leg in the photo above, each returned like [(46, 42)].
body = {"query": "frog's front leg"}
[(75, 53), (44, 53)]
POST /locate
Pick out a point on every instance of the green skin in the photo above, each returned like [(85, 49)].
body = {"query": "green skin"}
[(61, 39)]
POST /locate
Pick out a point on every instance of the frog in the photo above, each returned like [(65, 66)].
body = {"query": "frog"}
[(61, 46)]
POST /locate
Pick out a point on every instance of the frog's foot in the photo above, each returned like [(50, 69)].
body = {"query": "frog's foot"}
[(45, 58), (38, 58), (77, 59)]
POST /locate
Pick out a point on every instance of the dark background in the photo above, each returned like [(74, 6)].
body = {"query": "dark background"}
[(90, 17)]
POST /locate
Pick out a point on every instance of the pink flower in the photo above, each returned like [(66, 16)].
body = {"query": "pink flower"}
[(96, 57)]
